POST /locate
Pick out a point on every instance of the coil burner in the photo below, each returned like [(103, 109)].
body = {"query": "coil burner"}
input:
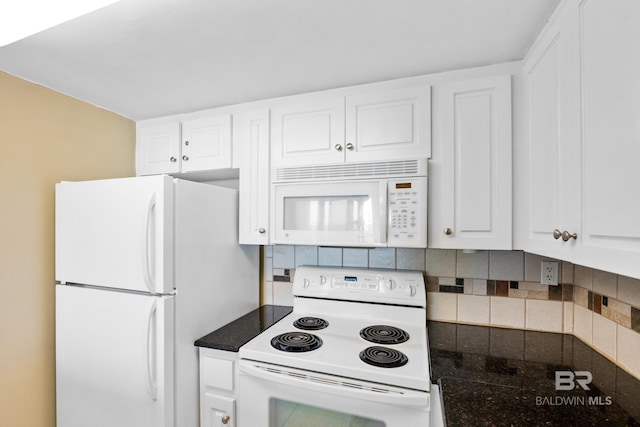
[(383, 357), (310, 323), (383, 334), (296, 342)]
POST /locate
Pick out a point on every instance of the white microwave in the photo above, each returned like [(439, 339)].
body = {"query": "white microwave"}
[(369, 212)]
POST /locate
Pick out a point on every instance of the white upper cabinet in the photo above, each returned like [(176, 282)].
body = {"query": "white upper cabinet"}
[(584, 104), (610, 232), (206, 143), (251, 148), (191, 143), (392, 124), (470, 181), (308, 132), (553, 92), (157, 148)]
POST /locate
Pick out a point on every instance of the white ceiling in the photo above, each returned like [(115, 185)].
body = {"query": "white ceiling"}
[(150, 58)]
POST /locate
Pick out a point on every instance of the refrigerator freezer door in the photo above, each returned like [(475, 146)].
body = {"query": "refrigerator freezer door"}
[(116, 233), (114, 358)]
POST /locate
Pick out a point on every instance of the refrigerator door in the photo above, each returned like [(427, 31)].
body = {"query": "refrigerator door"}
[(116, 233), (114, 358)]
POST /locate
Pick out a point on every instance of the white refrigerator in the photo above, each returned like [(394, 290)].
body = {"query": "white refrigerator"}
[(145, 266)]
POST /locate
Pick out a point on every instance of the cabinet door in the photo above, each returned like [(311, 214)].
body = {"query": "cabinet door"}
[(391, 124), (218, 411), (251, 139), (610, 234), (206, 143), (158, 149), (308, 133), (552, 74), (472, 207)]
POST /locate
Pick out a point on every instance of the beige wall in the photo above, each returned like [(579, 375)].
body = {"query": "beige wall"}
[(45, 137)]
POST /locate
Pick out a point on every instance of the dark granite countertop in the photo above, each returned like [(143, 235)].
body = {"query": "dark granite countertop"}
[(497, 377), (237, 333), (507, 377)]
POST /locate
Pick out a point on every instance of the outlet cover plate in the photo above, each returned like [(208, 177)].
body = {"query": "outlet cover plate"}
[(549, 273)]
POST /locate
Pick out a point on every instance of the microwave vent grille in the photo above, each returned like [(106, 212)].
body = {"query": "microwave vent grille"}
[(396, 168)]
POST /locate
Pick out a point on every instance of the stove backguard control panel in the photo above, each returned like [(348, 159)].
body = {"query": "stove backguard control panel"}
[(387, 286)]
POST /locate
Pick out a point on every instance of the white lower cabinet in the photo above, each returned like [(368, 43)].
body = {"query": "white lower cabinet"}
[(218, 379), (470, 171), (218, 411)]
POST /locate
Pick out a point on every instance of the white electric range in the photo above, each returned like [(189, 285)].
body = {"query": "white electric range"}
[(354, 348)]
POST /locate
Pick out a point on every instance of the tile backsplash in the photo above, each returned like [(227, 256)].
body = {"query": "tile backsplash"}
[(497, 288), (280, 262)]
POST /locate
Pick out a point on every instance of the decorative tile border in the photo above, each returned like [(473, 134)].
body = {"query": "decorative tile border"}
[(500, 288)]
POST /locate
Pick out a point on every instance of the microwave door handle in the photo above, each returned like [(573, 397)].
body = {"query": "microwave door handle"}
[(384, 225), (407, 398)]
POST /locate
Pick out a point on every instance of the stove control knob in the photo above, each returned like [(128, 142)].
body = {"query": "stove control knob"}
[(305, 283), (390, 284), (323, 280), (410, 291)]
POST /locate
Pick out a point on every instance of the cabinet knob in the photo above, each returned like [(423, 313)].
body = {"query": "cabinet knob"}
[(172, 159), (261, 230), (556, 234), (185, 158), (350, 146), (566, 236), (186, 143), (338, 147), (448, 231), (225, 419)]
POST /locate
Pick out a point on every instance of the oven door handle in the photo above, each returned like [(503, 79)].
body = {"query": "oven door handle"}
[(343, 387)]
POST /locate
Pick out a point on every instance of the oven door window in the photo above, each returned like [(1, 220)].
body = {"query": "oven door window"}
[(290, 414)]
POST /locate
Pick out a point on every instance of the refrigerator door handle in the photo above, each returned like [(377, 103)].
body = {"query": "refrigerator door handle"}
[(152, 386), (146, 234)]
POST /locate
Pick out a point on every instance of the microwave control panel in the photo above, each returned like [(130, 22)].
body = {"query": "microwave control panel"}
[(407, 212)]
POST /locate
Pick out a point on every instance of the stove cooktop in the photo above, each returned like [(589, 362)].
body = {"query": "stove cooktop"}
[(363, 324), (342, 347)]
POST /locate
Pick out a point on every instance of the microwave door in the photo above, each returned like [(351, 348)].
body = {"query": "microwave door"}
[(331, 213)]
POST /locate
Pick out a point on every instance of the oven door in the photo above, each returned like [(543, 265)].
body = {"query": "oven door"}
[(275, 396), (332, 213)]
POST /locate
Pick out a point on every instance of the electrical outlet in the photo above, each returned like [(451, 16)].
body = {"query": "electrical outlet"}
[(549, 273)]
